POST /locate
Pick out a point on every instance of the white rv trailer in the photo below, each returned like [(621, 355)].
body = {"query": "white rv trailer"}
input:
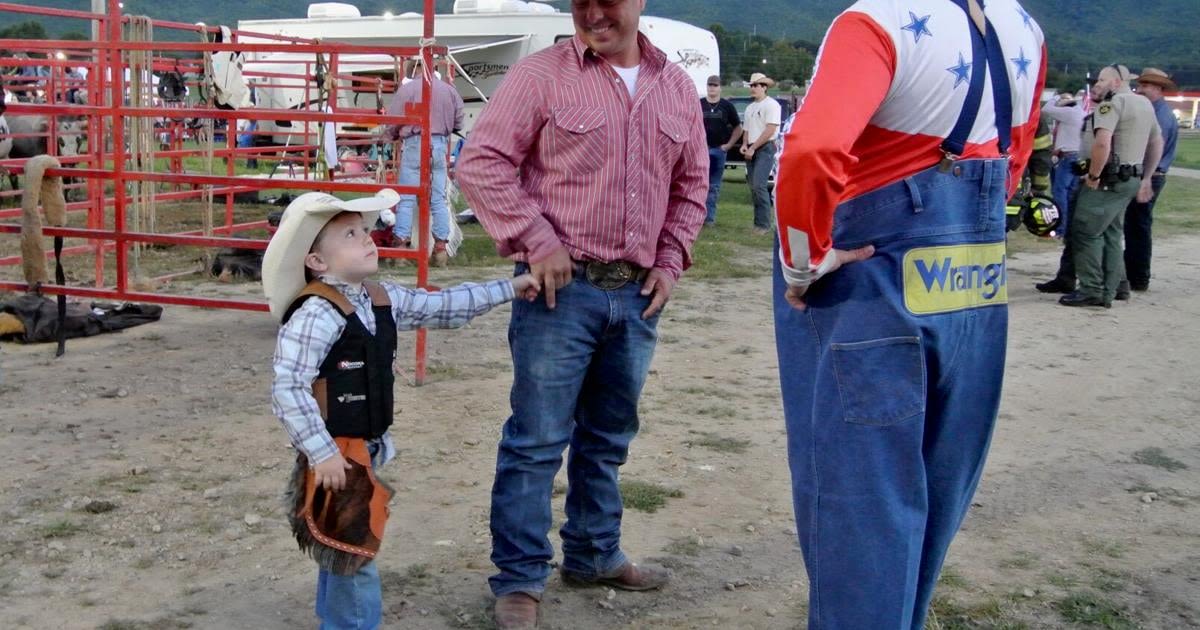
[(486, 37)]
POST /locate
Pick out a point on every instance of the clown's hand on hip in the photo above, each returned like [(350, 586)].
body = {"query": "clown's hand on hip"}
[(798, 280)]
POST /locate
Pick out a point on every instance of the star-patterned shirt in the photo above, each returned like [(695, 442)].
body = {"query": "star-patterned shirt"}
[(305, 340), (888, 86)]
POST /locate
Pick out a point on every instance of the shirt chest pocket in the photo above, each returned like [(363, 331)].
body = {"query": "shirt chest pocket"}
[(672, 132), (580, 140)]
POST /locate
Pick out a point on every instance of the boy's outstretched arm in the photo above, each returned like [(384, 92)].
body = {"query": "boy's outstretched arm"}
[(455, 306)]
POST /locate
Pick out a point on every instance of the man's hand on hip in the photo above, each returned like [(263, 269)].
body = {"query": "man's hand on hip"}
[(1146, 191), (658, 284), (552, 273), (842, 257)]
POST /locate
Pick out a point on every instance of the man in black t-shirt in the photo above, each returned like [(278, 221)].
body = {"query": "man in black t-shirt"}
[(724, 130)]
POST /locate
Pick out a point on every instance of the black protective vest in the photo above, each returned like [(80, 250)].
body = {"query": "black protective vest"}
[(354, 383)]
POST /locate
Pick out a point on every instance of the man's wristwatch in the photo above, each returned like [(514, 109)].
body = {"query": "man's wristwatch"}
[(1093, 178)]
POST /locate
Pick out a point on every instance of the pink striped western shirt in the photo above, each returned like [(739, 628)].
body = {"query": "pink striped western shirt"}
[(563, 156)]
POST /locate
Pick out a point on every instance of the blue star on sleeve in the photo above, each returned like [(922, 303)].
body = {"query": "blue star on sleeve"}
[(961, 72), (1022, 64), (918, 26), (1025, 17)]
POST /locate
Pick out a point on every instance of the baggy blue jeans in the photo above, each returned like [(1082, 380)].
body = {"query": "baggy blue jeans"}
[(891, 382), (578, 372), (410, 175), (351, 602)]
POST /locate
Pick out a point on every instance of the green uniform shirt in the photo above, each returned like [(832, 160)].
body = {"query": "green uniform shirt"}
[(1131, 119)]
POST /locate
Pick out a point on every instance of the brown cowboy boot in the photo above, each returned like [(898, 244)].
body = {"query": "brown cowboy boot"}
[(516, 611), (629, 577), (440, 257)]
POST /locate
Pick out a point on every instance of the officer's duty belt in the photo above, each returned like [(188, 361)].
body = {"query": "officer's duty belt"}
[(610, 276)]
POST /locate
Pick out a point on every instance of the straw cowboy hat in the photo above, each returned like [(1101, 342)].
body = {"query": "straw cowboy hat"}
[(1154, 76), (283, 263), (759, 77)]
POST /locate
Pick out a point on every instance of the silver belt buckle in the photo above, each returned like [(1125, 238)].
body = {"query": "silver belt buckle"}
[(608, 276)]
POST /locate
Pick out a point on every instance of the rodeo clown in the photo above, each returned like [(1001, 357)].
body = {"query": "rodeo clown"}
[(917, 126)]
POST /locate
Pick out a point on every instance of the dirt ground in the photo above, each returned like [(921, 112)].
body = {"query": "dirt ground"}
[(143, 471)]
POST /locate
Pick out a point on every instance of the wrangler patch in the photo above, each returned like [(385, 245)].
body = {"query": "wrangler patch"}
[(350, 365), (955, 277)]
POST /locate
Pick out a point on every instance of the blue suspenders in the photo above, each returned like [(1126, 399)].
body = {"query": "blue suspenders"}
[(986, 52)]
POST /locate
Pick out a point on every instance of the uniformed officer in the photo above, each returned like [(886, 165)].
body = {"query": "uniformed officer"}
[(890, 287), (1123, 150)]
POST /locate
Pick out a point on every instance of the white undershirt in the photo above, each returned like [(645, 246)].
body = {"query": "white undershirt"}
[(629, 77)]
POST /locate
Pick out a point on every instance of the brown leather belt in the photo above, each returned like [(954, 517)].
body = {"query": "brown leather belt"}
[(610, 276)]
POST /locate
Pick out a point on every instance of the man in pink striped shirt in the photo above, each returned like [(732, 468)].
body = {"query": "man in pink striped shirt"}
[(589, 167)]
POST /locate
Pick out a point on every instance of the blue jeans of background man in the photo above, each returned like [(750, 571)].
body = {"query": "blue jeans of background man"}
[(351, 602), (889, 414), (758, 176), (578, 371), (1062, 188), (410, 175), (716, 172)]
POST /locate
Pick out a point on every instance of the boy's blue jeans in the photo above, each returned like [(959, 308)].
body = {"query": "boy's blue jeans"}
[(410, 175), (891, 384), (351, 602), (578, 371)]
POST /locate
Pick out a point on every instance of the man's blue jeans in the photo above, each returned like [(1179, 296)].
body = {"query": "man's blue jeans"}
[(351, 602), (891, 384), (578, 371), (716, 173), (1062, 188), (758, 177), (410, 175)]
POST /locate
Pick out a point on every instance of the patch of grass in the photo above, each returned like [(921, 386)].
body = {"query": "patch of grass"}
[(417, 572), (1108, 581), (1021, 560), (1110, 548), (1061, 580), (718, 443), (1087, 608), (646, 496), (952, 579), (442, 371), (61, 529), (1175, 212), (687, 546), (1187, 150), (947, 613), (1154, 456), (716, 411)]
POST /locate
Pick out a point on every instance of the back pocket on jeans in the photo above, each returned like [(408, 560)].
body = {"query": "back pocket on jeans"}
[(881, 381)]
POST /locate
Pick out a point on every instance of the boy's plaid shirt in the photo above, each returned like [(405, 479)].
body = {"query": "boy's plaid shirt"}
[(305, 340)]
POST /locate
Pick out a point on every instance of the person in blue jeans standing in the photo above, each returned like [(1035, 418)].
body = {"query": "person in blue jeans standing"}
[(1067, 113), (890, 287), (446, 117), (722, 130), (588, 166)]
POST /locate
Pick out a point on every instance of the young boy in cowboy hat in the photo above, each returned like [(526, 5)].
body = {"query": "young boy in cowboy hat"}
[(333, 383)]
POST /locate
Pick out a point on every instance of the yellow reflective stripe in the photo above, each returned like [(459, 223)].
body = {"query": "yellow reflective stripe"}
[(1042, 142)]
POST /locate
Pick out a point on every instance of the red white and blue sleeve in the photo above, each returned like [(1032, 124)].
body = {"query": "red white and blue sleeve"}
[(854, 71)]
